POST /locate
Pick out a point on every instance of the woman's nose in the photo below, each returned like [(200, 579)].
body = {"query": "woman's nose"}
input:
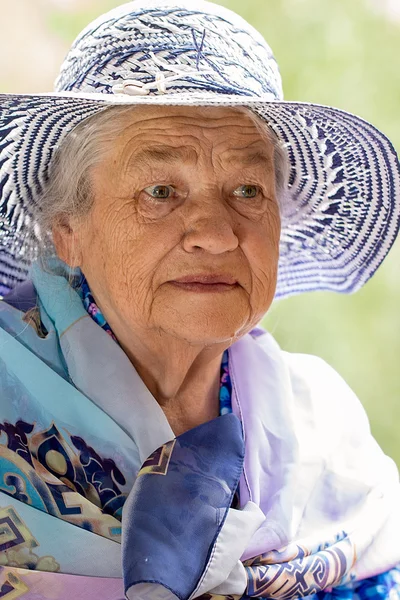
[(210, 227)]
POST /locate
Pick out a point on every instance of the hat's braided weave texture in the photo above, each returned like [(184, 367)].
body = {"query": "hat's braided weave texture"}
[(121, 48)]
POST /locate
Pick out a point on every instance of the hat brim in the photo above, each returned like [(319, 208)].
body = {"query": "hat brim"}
[(340, 216)]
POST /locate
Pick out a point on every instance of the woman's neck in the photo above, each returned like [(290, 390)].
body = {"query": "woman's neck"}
[(184, 379)]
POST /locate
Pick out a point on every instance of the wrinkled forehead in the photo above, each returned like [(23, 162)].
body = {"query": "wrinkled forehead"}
[(181, 133)]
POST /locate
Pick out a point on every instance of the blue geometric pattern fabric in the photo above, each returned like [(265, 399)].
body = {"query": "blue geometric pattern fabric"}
[(381, 587)]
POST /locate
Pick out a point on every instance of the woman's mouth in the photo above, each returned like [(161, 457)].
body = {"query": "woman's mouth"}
[(206, 283), (195, 286)]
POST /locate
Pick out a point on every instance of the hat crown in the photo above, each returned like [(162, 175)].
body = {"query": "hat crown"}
[(147, 47)]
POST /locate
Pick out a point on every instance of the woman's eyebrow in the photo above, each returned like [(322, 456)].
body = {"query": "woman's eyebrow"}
[(162, 154), (251, 158)]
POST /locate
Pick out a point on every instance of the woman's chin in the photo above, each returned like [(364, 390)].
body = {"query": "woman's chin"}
[(203, 336), (202, 319), (203, 328)]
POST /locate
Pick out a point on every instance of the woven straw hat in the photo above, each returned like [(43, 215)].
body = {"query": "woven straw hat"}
[(343, 210)]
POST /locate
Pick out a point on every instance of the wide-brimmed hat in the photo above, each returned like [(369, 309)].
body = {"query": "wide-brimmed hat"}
[(342, 211)]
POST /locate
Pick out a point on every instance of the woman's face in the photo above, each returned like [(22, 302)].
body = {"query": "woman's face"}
[(182, 192)]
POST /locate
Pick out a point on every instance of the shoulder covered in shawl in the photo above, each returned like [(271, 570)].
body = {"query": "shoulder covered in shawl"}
[(337, 475)]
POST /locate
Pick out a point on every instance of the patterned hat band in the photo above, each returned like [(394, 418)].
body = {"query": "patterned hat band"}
[(342, 206), (162, 79)]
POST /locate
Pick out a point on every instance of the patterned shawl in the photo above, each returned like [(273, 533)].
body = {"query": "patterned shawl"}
[(98, 499)]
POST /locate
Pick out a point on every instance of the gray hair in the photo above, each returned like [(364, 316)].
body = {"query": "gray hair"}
[(68, 191)]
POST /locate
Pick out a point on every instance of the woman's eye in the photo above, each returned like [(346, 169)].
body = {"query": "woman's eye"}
[(247, 191), (160, 192)]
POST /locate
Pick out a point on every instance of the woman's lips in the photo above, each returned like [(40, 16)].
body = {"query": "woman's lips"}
[(196, 286), (206, 282)]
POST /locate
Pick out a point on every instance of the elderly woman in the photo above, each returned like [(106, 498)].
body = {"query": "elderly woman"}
[(155, 442)]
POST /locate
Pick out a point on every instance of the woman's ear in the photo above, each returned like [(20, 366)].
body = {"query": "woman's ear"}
[(66, 238)]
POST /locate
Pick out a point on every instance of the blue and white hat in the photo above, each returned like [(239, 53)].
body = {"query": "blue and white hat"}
[(343, 209)]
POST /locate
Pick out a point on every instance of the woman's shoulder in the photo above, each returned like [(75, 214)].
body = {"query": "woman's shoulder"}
[(319, 392)]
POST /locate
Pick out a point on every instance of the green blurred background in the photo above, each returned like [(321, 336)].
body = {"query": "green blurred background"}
[(345, 53)]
